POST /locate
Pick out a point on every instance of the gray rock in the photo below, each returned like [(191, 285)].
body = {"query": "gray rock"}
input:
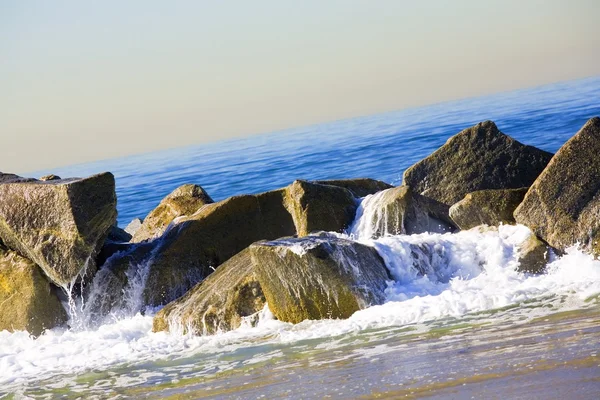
[(487, 207), (478, 158), (60, 225), (133, 226), (562, 207)]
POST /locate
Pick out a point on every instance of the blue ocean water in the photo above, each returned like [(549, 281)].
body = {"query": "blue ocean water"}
[(379, 146)]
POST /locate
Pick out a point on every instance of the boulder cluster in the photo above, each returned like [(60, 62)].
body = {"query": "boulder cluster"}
[(214, 265)]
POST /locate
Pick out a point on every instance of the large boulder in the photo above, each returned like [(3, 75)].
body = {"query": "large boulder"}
[(316, 207), (28, 301), (563, 205), (318, 277), (219, 303), (478, 158), (206, 239), (360, 187), (185, 200), (60, 224), (400, 211), (487, 207)]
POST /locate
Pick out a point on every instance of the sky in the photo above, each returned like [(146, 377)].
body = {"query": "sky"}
[(84, 81)]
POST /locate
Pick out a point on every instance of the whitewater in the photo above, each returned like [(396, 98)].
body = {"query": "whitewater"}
[(456, 308)]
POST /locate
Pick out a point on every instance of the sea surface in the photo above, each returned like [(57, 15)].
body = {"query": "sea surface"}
[(471, 328)]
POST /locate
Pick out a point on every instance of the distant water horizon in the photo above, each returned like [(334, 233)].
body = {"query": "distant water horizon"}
[(379, 146)]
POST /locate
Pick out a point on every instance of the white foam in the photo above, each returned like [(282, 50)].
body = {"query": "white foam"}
[(466, 272)]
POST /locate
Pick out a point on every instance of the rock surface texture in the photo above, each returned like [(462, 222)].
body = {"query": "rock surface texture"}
[(27, 299), (478, 158), (185, 200), (563, 205), (60, 224), (487, 207), (360, 187)]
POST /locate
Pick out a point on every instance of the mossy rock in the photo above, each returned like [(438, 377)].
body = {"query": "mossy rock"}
[(318, 277), (220, 303), (59, 224), (185, 200), (562, 207), (401, 210), (487, 207), (360, 187), (315, 207), (28, 300), (478, 158)]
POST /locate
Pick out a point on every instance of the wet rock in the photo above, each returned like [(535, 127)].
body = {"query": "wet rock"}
[(478, 158), (50, 177), (60, 225), (220, 303), (28, 301), (133, 226), (562, 207), (487, 207), (316, 207), (360, 187), (534, 255), (318, 277), (206, 239), (185, 200), (118, 235), (401, 211)]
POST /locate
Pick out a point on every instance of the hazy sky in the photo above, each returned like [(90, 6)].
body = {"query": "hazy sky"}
[(82, 80)]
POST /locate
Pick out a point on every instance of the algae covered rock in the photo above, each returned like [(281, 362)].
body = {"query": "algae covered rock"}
[(487, 207), (562, 207), (185, 200), (534, 255), (220, 230), (478, 158), (221, 302), (316, 207), (401, 211), (318, 277), (360, 187), (28, 301), (60, 224)]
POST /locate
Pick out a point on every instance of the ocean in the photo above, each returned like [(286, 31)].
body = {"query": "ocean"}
[(476, 328)]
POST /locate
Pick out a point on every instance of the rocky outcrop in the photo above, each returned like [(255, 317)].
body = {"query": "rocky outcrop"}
[(218, 231), (316, 207), (563, 205), (61, 224), (478, 158), (487, 207), (221, 302), (27, 299), (401, 211), (360, 187), (318, 277), (185, 200)]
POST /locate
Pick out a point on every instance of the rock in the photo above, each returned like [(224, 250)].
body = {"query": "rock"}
[(11, 178), (562, 207), (28, 300), (133, 226), (185, 200), (401, 211), (316, 207), (318, 277), (219, 303), (478, 158), (206, 239), (50, 177), (118, 235), (487, 207), (534, 255), (360, 187), (60, 225)]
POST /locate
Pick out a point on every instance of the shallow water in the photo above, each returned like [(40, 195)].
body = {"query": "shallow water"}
[(472, 326)]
